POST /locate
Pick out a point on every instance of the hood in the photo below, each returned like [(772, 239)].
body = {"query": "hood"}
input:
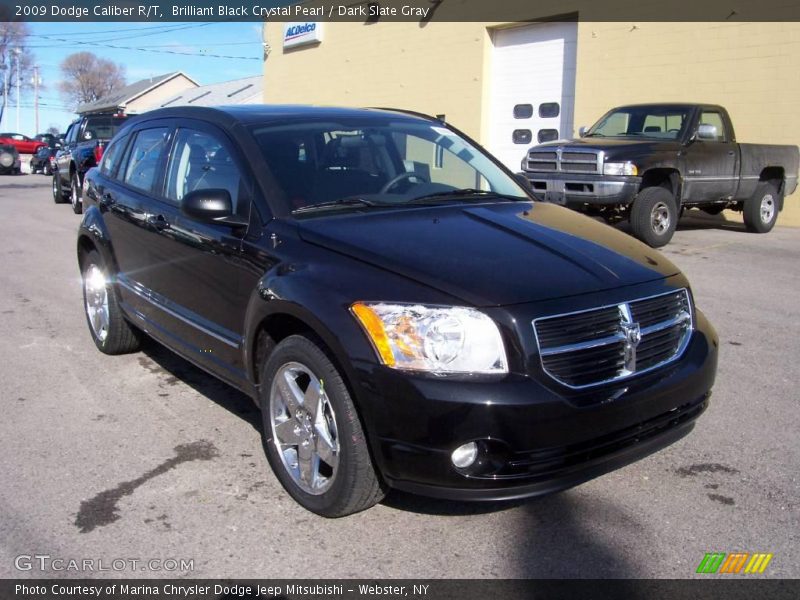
[(613, 146), (492, 254)]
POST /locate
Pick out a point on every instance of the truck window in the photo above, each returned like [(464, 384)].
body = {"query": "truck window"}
[(714, 118)]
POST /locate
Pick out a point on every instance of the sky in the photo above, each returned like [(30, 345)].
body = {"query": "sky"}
[(199, 40)]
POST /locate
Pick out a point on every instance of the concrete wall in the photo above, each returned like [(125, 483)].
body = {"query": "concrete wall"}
[(445, 68)]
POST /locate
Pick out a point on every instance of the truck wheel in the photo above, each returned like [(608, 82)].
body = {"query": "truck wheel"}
[(312, 434), (58, 192), (75, 194), (654, 216), (111, 333), (761, 209)]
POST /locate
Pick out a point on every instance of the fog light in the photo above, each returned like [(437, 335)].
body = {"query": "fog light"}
[(465, 455)]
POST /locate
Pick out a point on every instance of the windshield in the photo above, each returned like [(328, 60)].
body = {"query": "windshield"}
[(368, 162), (655, 122)]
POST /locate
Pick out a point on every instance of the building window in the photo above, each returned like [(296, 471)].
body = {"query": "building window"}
[(522, 136), (548, 110), (523, 111), (547, 135)]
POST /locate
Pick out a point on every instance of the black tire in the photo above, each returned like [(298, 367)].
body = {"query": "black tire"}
[(58, 192), (120, 337), (761, 209), (354, 485), (654, 216), (75, 194), (46, 170)]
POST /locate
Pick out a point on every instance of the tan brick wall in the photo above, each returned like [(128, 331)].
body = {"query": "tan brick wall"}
[(750, 68)]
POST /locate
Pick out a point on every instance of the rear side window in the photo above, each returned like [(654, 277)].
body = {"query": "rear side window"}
[(144, 158), (112, 156)]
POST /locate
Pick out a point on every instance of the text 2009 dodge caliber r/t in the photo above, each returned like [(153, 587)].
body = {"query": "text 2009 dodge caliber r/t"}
[(401, 309)]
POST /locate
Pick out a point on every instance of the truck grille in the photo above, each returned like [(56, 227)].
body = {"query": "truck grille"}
[(572, 161), (610, 343)]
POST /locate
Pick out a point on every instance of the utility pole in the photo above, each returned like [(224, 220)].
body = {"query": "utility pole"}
[(36, 97), (17, 52)]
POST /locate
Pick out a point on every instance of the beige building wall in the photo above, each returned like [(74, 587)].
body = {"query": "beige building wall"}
[(445, 68), (159, 94)]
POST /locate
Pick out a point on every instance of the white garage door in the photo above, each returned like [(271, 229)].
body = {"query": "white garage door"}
[(532, 95)]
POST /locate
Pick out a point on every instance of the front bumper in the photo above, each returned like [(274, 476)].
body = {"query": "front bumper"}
[(576, 189), (539, 439)]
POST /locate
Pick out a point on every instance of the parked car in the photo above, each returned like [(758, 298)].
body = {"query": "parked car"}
[(647, 162), (49, 138), (44, 160), (82, 149), (22, 143), (10, 163), (405, 314)]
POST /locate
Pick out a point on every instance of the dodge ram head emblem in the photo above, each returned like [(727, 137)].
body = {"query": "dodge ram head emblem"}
[(632, 335)]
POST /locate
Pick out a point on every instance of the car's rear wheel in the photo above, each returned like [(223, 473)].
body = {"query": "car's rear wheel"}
[(761, 209), (654, 216), (111, 333), (312, 434), (58, 192), (75, 194)]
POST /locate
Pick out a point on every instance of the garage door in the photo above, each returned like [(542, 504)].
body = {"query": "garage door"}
[(532, 94)]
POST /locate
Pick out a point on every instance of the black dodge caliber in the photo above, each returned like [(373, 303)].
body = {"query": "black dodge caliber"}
[(402, 310)]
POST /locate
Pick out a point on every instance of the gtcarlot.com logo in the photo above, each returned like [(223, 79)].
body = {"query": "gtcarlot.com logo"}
[(735, 562), (45, 562)]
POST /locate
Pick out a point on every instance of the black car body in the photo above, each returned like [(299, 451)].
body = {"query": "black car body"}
[(647, 161), (44, 159), (464, 343), (81, 150), (10, 163)]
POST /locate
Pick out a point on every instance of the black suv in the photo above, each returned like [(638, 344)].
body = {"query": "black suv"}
[(401, 309)]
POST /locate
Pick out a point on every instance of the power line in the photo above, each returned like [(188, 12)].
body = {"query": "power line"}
[(140, 28), (138, 49)]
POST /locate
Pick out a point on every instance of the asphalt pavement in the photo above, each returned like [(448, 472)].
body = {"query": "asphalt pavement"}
[(145, 458)]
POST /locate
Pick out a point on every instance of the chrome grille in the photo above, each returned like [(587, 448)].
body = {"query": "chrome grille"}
[(565, 161), (610, 343)]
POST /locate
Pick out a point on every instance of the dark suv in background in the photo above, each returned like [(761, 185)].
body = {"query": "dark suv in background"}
[(82, 149), (401, 309)]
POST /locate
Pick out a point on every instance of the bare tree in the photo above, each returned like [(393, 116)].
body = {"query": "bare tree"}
[(15, 61), (88, 78), (53, 129)]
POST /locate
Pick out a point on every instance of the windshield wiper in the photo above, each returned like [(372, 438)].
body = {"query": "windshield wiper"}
[(350, 201), (594, 134), (462, 194)]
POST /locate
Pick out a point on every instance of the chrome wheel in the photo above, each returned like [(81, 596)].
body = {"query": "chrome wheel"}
[(95, 293), (659, 218), (767, 208), (74, 195), (304, 428), (56, 193)]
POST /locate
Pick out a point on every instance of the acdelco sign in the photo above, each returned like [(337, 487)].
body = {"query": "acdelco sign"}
[(301, 34)]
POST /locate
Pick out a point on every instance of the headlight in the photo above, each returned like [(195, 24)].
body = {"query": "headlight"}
[(626, 168), (433, 338)]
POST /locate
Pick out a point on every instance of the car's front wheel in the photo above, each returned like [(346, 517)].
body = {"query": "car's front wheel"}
[(58, 193), (111, 333), (312, 433), (75, 194)]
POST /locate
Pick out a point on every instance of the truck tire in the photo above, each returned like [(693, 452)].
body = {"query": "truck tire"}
[(654, 216), (761, 209), (75, 194), (58, 192), (312, 434)]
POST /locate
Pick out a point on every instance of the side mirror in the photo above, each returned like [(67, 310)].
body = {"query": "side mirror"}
[(87, 135), (212, 205), (582, 130), (707, 132), (523, 181)]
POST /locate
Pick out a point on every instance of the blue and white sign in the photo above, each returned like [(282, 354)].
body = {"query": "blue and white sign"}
[(301, 34)]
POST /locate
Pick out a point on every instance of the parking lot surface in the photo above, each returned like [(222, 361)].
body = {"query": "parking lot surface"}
[(145, 457)]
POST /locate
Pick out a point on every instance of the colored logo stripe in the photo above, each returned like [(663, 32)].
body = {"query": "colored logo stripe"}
[(714, 562)]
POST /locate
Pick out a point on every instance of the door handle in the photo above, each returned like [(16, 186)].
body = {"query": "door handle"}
[(157, 222), (731, 152)]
